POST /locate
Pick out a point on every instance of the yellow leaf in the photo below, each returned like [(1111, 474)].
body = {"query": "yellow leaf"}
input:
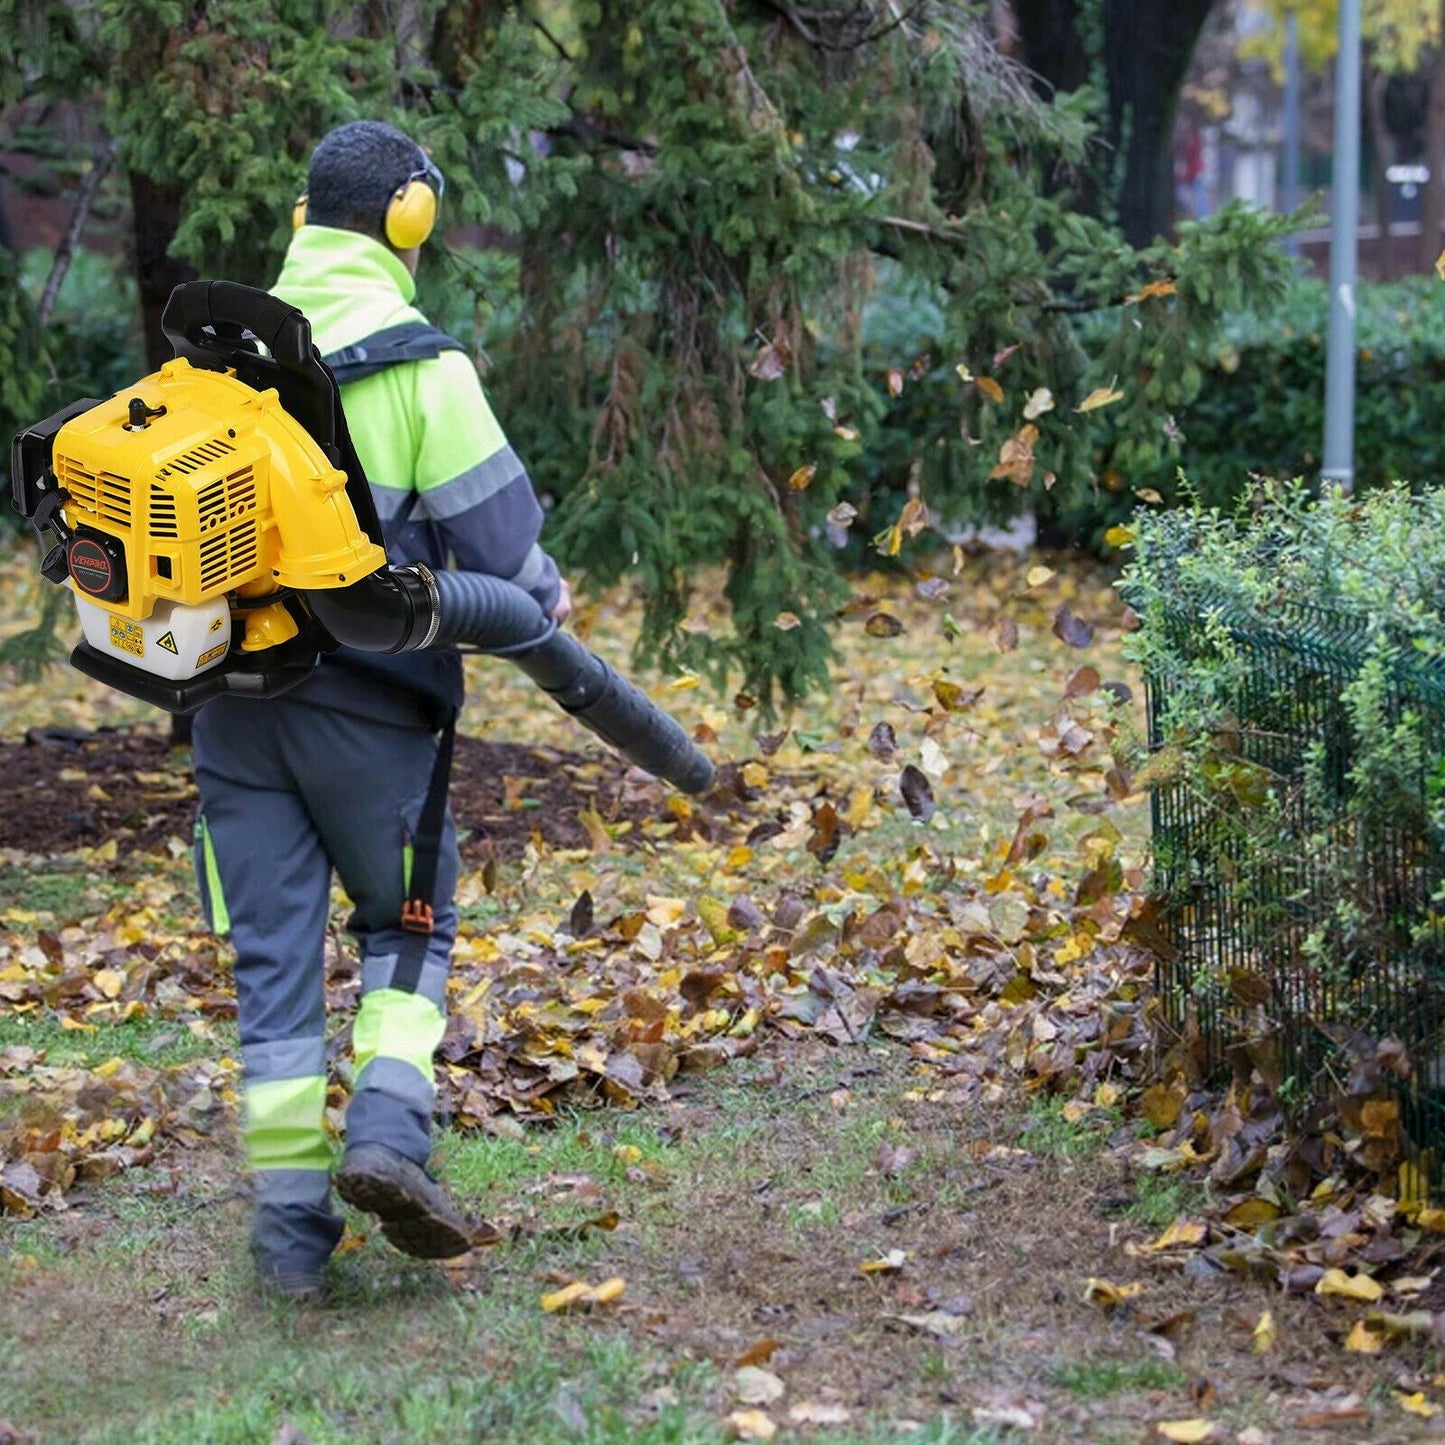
[(1266, 1332), (627, 1153), (685, 683), (1148, 494), (1106, 1095), (1119, 536), (751, 1425), (1037, 576), (787, 621), (1440, 265), (1416, 1404), (800, 479), (579, 1295), (860, 805), (665, 912), (1041, 401), (1154, 288), (754, 774), (990, 388), (108, 981), (1432, 1219), (964, 374), (891, 1263), (1109, 1296), (74, 1026), (1187, 1432), (1182, 1234), (1100, 396), (1350, 1286)]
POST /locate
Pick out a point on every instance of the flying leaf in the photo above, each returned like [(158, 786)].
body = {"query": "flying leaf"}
[(1016, 457), (917, 793), (882, 742), (1100, 396), (990, 388), (895, 381), (1005, 634), (787, 621), (883, 624), (1150, 291), (802, 478), (1041, 401), (1071, 629)]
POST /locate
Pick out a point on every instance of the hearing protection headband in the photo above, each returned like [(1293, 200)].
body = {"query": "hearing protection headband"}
[(412, 211)]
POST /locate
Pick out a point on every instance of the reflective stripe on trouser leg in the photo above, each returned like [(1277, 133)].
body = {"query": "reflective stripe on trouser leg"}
[(394, 1038)]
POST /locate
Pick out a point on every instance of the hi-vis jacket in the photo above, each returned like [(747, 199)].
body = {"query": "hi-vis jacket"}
[(448, 486)]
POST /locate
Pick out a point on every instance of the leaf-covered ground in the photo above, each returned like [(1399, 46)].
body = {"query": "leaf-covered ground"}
[(912, 909)]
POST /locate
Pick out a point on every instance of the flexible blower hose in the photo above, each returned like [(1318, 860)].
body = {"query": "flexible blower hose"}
[(402, 609)]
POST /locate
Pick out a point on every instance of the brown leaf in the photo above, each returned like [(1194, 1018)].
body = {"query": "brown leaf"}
[(883, 624), (827, 833), (1082, 683), (917, 793), (757, 1354), (882, 742), (1005, 634), (579, 921), (1070, 629)]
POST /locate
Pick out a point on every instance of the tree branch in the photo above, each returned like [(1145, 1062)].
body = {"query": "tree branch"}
[(65, 251)]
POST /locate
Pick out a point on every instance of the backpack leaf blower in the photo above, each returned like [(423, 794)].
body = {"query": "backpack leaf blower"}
[(218, 533)]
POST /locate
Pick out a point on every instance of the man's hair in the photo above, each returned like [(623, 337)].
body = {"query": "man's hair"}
[(355, 171)]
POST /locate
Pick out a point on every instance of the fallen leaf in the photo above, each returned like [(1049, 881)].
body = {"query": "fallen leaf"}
[(1350, 1286), (1187, 1432), (751, 1425), (755, 1386)]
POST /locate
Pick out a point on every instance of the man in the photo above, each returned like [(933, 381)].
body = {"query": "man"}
[(347, 772)]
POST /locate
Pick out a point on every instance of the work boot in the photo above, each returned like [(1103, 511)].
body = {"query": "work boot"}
[(416, 1215), (290, 1245)]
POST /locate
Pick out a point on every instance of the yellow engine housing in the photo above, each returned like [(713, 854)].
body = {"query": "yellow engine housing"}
[(222, 492)]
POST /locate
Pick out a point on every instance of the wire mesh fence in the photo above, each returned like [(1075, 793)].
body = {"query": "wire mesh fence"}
[(1301, 865)]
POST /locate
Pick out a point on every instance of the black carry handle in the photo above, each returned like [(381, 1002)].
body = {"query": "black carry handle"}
[(197, 305)]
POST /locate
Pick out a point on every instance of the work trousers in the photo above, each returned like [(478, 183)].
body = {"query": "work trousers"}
[(290, 792)]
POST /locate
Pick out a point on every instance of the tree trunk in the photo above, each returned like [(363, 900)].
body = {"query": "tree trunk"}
[(1146, 49), (156, 209), (1382, 156), (1432, 205)]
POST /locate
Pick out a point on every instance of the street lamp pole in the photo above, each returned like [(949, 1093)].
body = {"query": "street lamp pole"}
[(1339, 462)]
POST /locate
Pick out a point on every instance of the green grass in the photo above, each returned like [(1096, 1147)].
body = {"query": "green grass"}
[(1049, 1130), (157, 1042), (60, 893), (1098, 1379), (1159, 1200)]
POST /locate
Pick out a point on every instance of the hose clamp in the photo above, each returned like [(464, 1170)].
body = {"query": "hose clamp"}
[(434, 604)]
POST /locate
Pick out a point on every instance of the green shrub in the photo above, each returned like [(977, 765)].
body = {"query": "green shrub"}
[(1294, 651)]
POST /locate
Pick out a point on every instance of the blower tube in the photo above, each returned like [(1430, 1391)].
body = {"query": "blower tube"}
[(403, 609)]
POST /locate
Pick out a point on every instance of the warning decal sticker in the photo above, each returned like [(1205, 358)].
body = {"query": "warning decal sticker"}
[(216, 625), (127, 636), (168, 641), (212, 655)]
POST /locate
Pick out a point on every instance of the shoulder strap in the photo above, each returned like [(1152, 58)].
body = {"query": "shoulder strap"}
[(410, 341)]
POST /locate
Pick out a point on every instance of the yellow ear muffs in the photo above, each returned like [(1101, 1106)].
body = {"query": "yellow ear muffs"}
[(411, 215), (298, 212)]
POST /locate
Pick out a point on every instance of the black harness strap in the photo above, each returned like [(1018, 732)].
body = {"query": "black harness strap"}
[(417, 916), (410, 341)]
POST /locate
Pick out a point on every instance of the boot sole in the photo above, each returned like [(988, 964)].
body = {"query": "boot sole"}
[(411, 1222)]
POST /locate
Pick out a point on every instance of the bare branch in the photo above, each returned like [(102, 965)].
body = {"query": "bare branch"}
[(80, 213)]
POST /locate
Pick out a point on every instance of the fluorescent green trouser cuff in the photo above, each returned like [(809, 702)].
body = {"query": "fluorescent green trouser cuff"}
[(392, 1024), (283, 1124)]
